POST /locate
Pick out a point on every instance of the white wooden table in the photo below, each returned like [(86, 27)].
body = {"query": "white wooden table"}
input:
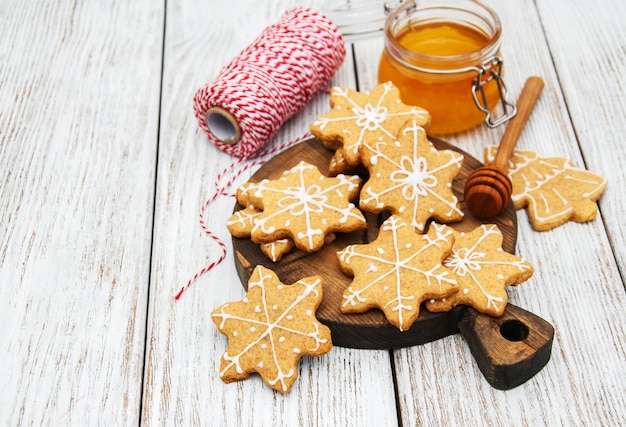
[(103, 170)]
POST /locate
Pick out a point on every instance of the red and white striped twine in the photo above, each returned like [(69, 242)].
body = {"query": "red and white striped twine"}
[(230, 174), (273, 78), (266, 84)]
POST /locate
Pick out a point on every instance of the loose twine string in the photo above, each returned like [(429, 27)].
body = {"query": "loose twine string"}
[(230, 173), (266, 84)]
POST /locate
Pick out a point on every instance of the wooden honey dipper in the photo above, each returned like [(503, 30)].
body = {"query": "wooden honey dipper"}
[(488, 189)]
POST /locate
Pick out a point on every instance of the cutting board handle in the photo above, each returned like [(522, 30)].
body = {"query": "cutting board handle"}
[(509, 349)]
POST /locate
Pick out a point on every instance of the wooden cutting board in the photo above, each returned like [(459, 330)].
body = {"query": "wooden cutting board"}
[(370, 329), (509, 349)]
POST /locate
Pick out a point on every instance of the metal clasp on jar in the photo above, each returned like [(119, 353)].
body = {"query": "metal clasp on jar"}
[(488, 71)]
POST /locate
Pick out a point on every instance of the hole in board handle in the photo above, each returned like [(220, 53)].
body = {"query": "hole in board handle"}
[(513, 330)]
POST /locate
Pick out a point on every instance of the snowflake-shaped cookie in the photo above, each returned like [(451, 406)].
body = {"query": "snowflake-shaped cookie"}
[(240, 225), (552, 189), (271, 329), (411, 178), (338, 164), (241, 222), (482, 268), (358, 117), (305, 205), (397, 272)]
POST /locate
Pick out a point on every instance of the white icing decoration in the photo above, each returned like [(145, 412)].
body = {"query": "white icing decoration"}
[(371, 117), (272, 327), (306, 202), (533, 177), (468, 261), (371, 268), (396, 263), (412, 177)]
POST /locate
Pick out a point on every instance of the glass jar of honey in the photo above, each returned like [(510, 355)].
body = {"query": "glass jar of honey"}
[(444, 56)]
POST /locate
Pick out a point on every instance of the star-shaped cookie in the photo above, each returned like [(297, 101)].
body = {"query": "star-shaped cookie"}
[(241, 223), (482, 268), (397, 272), (358, 117), (271, 329), (411, 178), (305, 206)]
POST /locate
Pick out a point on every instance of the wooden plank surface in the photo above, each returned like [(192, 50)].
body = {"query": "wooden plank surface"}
[(574, 268), (79, 98), (87, 280), (587, 46), (182, 380)]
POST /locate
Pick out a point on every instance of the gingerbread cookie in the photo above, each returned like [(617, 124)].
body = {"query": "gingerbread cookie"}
[(358, 117), (241, 223), (305, 206), (397, 272), (338, 164), (482, 268), (552, 190), (411, 178), (275, 251), (271, 329), (244, 191)]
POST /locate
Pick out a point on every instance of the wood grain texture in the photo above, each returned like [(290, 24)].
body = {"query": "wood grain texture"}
[(510, 349), (587, 47), (79, 94), (182, 384), (79, 132), (588, 363)]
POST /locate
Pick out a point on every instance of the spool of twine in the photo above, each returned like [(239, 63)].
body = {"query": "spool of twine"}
[(269, 81), (261, 88)]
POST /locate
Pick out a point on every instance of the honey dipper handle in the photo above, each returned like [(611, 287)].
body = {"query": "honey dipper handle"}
[(525, 104)]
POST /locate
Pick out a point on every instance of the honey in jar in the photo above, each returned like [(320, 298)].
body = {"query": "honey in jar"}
[(443, 56)]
